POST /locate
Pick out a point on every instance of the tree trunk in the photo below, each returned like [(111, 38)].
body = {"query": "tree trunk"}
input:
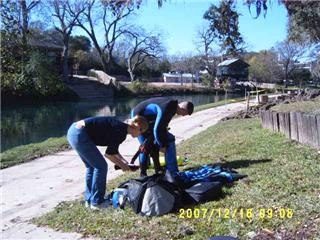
[(102, 56), (24, 13), (104, 62), (131, 74), (65, 54), (130, 69)]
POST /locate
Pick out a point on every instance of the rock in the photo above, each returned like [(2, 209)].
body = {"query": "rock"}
[(251, 235), (313, 93), (186, 230)]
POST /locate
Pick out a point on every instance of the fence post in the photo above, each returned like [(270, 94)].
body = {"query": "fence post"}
[(287, 129), (294, 126), (275, 121), (266, 119), (308, 129), (298, 126), (313, 131), (281, 122), (269, 119), (305, 129), (300, 122), (262, 118), (318, 129)]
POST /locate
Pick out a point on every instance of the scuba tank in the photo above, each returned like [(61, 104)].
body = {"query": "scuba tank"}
[(119, 197), (180, 161)]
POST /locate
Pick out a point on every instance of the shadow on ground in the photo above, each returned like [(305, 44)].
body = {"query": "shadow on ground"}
[(234, 164)]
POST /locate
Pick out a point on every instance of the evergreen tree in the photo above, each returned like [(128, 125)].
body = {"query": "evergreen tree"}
[(224, 25)]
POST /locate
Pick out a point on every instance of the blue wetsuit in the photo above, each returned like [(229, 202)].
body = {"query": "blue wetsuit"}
[(159, 112)]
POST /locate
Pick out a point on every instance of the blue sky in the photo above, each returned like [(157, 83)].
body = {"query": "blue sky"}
[(178, 21)]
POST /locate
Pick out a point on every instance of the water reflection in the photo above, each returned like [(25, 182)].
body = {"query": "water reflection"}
[(27, 123)]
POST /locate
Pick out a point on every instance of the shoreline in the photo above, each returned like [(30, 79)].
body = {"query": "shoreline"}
[(59, 177), (25, 153)]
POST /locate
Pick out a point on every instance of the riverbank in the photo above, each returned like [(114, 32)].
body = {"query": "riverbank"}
[(25, 153), (123, 89), (59, 177), (164, 89), (278, 199), (8, 98)]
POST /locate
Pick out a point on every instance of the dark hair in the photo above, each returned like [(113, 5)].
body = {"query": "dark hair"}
[(190, 107)]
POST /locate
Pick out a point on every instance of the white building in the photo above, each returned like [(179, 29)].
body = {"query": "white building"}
[(177, 77)]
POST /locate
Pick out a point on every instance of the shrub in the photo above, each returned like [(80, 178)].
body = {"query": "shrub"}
[(44, 75), (139, 86), (207, 79)]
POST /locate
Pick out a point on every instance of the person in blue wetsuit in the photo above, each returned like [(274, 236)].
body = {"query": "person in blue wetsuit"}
[(159, 112), (86, 134)]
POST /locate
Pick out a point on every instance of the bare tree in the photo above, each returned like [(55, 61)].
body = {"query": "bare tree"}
[(67, 14), (26, 8), (17, 14), (180, 64), (141, 46), (289, 55), (205, 48), (111, 14), (264, 67), (193, 66)]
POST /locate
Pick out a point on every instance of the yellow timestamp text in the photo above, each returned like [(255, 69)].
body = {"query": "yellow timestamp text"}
[(242, 213)]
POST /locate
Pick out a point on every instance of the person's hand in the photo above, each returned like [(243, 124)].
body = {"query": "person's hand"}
[(133, 167), (163, 150), (126, 168)]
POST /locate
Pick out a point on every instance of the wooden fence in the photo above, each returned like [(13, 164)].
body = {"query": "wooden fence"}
[(302, 127)]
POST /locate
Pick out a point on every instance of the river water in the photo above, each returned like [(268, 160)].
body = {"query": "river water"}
[(31, 123)]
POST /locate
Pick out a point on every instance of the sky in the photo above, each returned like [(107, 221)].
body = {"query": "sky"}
[(178, 21)]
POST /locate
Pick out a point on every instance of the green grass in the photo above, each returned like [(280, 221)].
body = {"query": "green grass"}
[(300, 106), (144, 89), (28, 152), (281, 175), (217, 104)]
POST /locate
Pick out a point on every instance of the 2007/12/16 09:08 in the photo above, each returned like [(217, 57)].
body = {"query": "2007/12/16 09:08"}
[(243, 213)]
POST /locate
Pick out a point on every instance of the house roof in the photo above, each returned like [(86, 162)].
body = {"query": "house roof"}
[(231, 61)]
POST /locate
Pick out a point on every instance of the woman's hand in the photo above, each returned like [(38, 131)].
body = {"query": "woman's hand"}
[(119, 161), (133, 167)]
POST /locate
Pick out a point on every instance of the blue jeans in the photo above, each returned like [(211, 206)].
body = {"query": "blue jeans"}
[(97, 167), (170, 155)]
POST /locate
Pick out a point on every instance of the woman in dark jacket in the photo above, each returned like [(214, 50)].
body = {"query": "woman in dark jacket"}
[(84, 136)]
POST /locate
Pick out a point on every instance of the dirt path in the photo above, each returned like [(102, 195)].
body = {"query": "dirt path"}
[(34, 188)]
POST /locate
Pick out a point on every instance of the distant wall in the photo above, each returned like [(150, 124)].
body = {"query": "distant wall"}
[(266, 85), (260, 85), (302, 127), (102, 77)]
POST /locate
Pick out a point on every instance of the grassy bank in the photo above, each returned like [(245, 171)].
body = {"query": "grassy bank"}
[(145, 89), (282, 176), (29, 152), (217, 104), (300, 106)]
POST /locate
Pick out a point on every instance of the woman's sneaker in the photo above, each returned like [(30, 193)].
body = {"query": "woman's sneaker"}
[(107, 203), (86, 204)]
